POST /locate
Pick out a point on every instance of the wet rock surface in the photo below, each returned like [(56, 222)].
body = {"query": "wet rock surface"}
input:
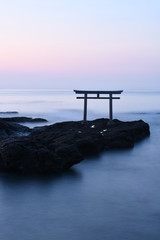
[(59, 146), (23, 119), (9, 112), (8, 129)]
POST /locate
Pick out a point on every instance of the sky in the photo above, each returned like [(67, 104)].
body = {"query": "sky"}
[(80, 44)]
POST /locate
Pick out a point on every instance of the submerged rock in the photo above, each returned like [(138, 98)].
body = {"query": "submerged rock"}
[(24, 119), (9, 112), (8, 129), (61, 145)]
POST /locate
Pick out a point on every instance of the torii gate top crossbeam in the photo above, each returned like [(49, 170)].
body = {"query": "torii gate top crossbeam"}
[(97, 92)]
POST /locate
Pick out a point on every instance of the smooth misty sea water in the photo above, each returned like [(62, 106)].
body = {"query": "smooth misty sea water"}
[(112, 196)]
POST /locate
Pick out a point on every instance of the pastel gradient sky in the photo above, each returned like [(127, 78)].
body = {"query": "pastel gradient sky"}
[(101, 44)]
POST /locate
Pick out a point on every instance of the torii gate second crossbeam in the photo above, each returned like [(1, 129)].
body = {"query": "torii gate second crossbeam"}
[(98, 95)]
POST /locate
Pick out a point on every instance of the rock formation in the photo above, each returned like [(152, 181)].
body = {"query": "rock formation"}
[(23, 119), (59, 146)]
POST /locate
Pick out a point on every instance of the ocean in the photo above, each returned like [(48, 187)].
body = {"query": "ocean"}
[(113, 196)]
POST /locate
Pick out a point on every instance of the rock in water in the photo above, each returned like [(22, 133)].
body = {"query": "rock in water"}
[(9, 112), (8, 129), (23, 119), (59, 146)]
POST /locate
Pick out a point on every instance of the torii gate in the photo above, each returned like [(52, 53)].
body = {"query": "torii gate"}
[(98, 95)]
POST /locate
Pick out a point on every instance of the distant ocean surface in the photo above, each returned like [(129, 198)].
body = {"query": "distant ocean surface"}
[(114, 196)]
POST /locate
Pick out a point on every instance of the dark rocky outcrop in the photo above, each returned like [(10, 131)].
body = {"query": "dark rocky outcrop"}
[(9, 112), (8, 129), (61, 145), (24, 119)]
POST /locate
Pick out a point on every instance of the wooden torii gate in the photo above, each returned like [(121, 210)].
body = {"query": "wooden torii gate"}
[(98, 95)]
